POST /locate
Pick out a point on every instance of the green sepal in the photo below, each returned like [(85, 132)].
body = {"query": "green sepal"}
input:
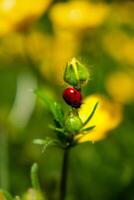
[(83, 72), (76, 73), (54, 107), (91, 114), (70, 76)]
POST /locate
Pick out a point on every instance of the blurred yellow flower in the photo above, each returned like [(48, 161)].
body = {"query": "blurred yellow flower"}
[(70, 19), (108, 115), (120, 85), (38, 45), (62, 48), (18, 14), (77, 15), (51, 53), (120, 46), (11, 47), (122, 13)]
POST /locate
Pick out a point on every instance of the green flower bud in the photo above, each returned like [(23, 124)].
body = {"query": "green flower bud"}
[(73, 123), (76, 74)]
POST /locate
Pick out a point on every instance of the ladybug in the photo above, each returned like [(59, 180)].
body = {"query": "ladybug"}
[(72, 97)]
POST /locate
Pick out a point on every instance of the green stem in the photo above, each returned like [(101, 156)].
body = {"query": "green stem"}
[(63, 183)]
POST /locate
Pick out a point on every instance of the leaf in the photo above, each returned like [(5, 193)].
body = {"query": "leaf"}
[(40, 94), (38, 141), (54, 107), (34, 177), (60, 130), (84, 133), (7, 195), (88, 128), (91, 115), (57, 113), (46, 143)]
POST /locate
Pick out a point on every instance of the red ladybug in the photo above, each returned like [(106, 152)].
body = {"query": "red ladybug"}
[(72, 97)]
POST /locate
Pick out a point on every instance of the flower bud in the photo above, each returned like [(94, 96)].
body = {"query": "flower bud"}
[(76, 74), (73, 123)]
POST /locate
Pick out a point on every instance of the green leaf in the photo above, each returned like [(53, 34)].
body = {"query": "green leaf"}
[(34, 177), (46, 143), (91, 115), (40, 94), (54, 107), (38, 141), (60, 130), (57, 113), (88, 128), (84, 132), (7, 195)]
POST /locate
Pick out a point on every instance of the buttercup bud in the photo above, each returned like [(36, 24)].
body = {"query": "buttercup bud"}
[(73, 123), (76, 74)]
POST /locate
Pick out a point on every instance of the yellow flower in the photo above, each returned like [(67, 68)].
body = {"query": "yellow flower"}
[(70, 19), (108, 115), (120, 86), (61, 49), (38, 46), (18, 14), (120, 46), (78, 14), (122, 13), (11, 47)]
